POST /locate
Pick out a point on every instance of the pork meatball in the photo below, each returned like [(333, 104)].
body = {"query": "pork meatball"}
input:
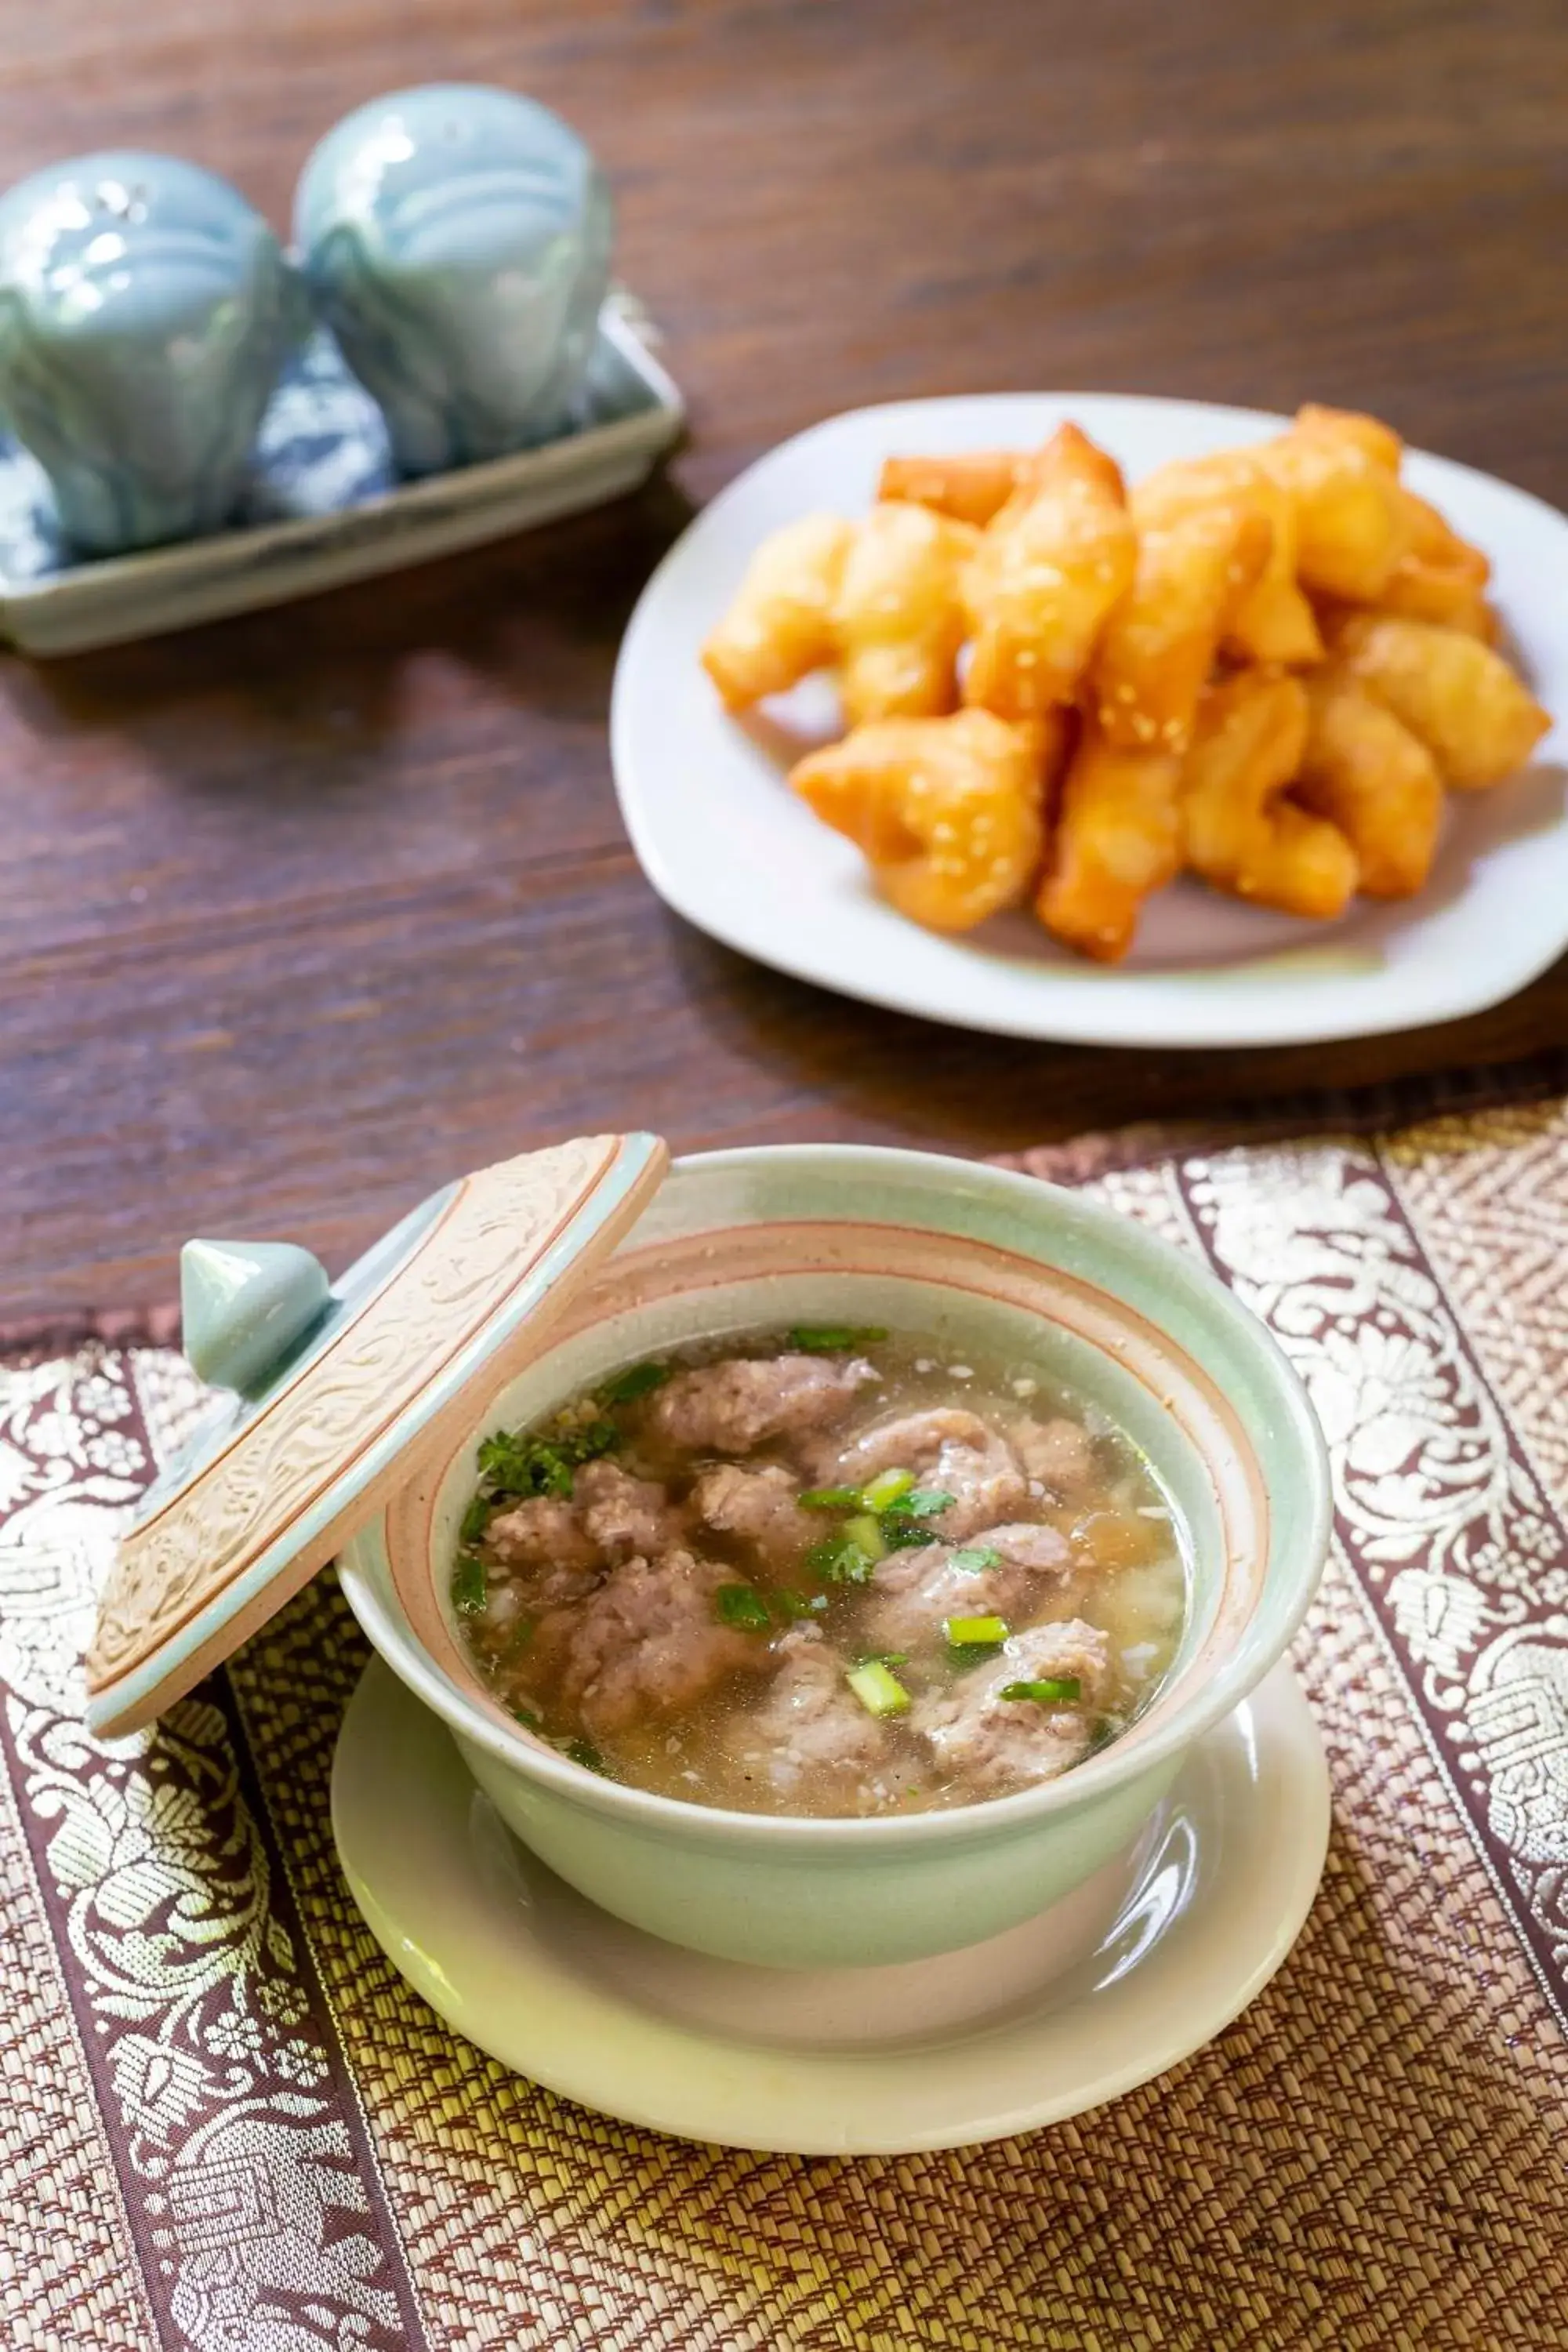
[(650, 1641), (914, 1592), (995, 1744), (762, 1507), (810, 1728), (737, 1406), (949, 1449)]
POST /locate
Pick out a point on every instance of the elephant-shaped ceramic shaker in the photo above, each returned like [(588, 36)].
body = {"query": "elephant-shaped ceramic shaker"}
[(456, 240), (146, 311)]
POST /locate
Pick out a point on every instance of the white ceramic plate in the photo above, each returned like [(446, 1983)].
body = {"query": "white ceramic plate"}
[(727, 846), (1108, 1989)]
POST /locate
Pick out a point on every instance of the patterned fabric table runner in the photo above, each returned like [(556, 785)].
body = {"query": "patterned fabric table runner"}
[(229, 2124)]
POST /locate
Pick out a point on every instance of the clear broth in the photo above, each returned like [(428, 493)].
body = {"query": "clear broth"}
[(1123, 1575)]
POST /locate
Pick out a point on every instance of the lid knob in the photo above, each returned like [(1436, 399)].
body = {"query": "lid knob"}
[(242, 1305)]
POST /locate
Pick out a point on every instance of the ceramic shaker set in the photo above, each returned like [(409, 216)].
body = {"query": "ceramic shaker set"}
[(456, 240)]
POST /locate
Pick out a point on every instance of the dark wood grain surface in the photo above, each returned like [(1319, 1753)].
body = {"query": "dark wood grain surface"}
[(303, 913)]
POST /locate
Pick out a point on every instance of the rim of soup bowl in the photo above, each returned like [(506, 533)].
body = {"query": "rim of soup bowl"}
[(1148, 1741)]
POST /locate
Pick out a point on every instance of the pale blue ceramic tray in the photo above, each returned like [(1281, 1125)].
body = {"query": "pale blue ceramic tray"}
[(324, 506)]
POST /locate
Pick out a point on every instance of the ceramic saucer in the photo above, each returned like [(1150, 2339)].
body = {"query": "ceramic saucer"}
[(1134, 1972)]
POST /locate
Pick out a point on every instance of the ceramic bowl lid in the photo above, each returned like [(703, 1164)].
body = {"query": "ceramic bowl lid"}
[(332, 1395)]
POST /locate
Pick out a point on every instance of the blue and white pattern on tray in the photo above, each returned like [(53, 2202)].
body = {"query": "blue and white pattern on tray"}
[(323, 449)]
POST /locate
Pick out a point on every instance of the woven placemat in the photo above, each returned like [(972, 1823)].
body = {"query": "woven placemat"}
[(229, 2124)]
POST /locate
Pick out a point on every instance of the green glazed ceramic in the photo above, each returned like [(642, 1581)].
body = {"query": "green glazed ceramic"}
[(739, 1240)]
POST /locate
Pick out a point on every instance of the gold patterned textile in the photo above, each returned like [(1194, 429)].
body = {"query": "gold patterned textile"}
[(228, 2126)]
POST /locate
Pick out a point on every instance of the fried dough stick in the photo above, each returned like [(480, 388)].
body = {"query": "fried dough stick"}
[(1239, 831), (1476, 717), (948, 812), (880, 600), (1117, 838), (1194, 568), (1370, 776), (1352, 524), (1273, 622), (1045, 577), (973, 487)]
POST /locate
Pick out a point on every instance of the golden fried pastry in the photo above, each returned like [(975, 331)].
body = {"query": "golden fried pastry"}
[(879, 598), (1434, 540), (973, 487), (1117, 838), (1379, 442), (1448, 593), (1364, 771), (1440, 577), (1273, 622), (1479, 720), (1194, 568), (897, 617), (1352, 526), (780, 626), (1239, 831), (948, 810), (1044, 578), (1266, 664)]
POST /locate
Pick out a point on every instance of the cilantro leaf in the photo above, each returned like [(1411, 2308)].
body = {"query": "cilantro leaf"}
[(924, 1503), (841, 1560), (512, 1462), (743, 1607), (470, 1585), (904, 1535)]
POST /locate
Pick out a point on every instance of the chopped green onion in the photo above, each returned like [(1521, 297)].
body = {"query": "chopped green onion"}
[(832, 1338), (831, 1498), (865, 1531), (924, 1503), (975, 1557), (886, 1488), (470, 1586), (740, 1606), (972, 1654), (526, 1716), (965, 1631), (637, 1381), (884, 1658), (476, 1519), (584, 1752), (1053, 1692), (802, 1604), (878, 1689), (841, 1560)]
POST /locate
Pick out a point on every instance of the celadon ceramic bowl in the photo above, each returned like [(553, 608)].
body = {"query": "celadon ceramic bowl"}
[(739, 1241)]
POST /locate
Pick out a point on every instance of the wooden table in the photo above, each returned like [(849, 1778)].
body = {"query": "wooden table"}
[(304, 913)]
